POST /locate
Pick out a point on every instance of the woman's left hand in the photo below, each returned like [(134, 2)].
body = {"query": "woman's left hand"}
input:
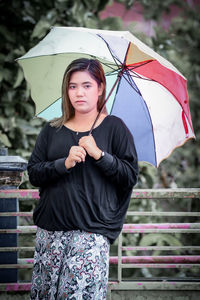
[(90, 146)]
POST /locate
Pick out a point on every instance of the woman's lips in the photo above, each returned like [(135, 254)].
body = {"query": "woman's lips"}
[(80, 101)]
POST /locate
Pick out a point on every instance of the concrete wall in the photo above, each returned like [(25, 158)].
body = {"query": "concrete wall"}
[(124, 295), (155, 295)]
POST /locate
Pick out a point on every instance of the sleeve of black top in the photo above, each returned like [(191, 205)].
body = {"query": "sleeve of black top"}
[(41, 171), (122, 166)]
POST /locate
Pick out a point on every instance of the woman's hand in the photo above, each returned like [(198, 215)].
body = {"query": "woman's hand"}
[(77, 154), (90, 146)]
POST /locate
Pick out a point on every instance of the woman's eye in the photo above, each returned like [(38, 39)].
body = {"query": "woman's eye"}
[(87, 86), (72, 87)]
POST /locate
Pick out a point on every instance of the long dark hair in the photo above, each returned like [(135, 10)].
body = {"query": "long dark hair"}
[(95, 69)]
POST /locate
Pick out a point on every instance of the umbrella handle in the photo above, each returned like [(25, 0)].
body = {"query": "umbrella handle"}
[(114, 85)]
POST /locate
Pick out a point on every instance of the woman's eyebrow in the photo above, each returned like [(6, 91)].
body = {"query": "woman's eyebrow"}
[(85, 82)]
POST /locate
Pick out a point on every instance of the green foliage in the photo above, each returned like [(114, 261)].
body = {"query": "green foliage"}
[(160, 240), (128, 3), (153, 9), (23, 24)]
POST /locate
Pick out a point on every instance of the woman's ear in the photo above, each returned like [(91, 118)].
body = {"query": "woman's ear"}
[(101, 88)]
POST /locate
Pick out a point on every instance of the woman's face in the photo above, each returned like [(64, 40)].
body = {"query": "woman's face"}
[(83, 92)]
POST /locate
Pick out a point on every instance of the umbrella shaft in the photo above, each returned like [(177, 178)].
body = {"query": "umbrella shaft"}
[(114, 85)]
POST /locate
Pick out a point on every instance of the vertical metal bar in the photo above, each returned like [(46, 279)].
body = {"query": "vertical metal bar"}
[(119, 277), (11, 168), (109, 296)]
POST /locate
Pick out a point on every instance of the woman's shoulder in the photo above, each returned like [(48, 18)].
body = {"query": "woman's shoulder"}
[(47, 129), (115, 121), (118, 127)]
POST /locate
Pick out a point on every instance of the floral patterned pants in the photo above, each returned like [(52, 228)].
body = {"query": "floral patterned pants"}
[(70, 265)]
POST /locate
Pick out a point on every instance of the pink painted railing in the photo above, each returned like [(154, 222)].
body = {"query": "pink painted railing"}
[(141, 260)]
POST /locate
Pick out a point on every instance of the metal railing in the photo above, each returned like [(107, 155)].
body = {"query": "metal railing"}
[(145, 259), (170, 261)]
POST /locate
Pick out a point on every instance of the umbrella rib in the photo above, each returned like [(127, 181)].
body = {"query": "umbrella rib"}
[(142, 64), (114, 85), (115, 58), (130, 81), (48, 106), (109, 65), (138, 91), (136, 74), (120, 74), (115, 97), (124, 70)]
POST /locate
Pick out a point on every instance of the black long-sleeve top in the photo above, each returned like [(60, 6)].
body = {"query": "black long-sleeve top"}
[(92, 196)]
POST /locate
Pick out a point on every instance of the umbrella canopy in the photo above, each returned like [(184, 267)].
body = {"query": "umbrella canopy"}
[(150, 97)]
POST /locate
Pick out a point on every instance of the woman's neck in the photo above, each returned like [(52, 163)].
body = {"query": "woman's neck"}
[(84, 122), (84, 119)]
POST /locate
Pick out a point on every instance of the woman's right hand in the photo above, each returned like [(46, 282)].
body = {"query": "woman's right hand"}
[(77, 154)]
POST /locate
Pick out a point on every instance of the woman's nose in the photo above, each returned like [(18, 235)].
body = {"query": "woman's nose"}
[(79, 91)]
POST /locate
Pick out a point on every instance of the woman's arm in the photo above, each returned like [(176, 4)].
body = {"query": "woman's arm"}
[(41, 171), (122, 166)]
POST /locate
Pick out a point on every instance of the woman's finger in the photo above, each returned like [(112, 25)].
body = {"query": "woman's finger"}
[(81, 154), (76, 149), (78, 156)]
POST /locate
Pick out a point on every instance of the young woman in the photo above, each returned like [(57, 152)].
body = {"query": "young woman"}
[(85, 185)]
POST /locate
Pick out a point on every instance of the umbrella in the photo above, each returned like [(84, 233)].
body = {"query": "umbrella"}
[(148, 93)]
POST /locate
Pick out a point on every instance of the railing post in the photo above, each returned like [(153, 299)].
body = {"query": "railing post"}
[(11, 171), (120, 258)]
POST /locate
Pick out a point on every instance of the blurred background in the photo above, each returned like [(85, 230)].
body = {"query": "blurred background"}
[(170, 27)]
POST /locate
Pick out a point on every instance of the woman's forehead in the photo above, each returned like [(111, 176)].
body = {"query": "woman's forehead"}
[(81, 75)]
